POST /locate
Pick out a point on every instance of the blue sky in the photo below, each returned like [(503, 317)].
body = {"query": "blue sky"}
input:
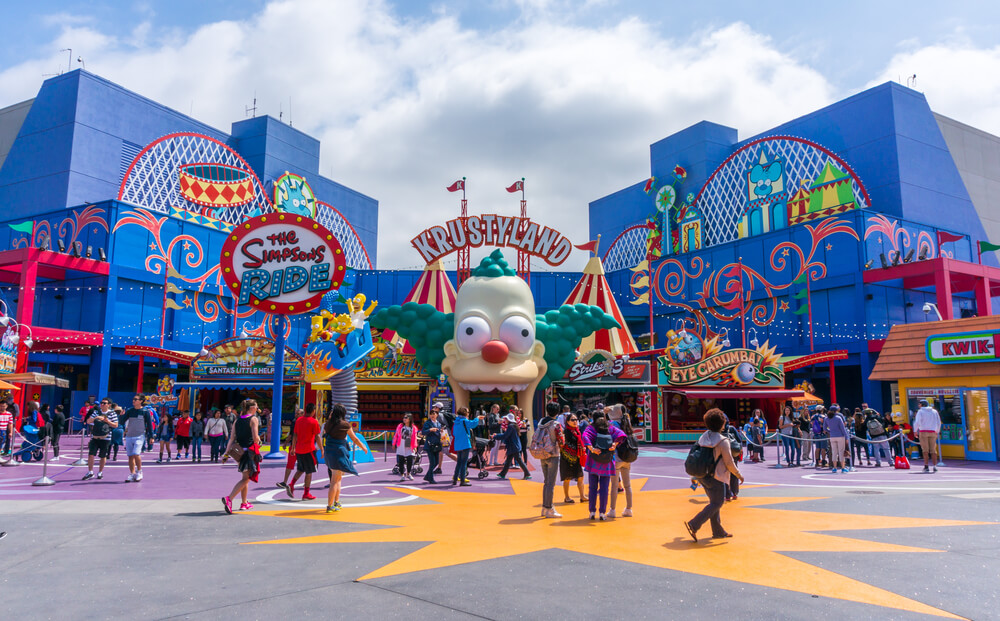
[(407, 96)]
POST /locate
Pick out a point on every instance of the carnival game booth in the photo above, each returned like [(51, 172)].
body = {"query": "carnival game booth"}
[(234, 369), (697, 375), (598, 377), (955, 366)]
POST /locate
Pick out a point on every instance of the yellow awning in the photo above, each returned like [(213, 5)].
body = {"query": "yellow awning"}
[(386, 386)]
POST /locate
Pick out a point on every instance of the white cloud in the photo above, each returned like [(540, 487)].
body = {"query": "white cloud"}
[(959, 80), (404, 107)]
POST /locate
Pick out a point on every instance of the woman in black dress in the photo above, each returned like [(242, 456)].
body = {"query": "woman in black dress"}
[(337, 452), (245, 434), (571, 456)]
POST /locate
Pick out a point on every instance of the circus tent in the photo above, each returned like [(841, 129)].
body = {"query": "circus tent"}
[(593, 289), (434, 288)]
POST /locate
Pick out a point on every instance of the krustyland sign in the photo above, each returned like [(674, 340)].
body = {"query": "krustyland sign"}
[(733, 368), (964, 347), (493, 230), (282, 263)]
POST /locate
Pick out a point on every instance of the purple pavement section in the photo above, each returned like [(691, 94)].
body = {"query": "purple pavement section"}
[(663, 466)]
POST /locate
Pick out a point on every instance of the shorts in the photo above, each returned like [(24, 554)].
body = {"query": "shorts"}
[(290, 462), (305, 462), (100, 448), (134, 446), (821, 442), (928, 442), (183, 442)]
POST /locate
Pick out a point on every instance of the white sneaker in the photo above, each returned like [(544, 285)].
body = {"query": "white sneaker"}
[(409, 477), (603, 517), (130, 478), (627, 513), (100, 475), (552, 514), (402, 479), (138, 476), (611, 514)]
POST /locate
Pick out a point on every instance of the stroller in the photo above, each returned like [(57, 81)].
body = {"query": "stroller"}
[(417, 454), (31, 448), (478, 457)]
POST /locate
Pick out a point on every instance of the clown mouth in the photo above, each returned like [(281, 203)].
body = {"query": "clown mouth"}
[(494, 387)]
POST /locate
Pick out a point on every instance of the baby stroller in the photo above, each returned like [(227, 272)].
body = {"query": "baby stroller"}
[(31, 448), (478, 458), (417, 454)]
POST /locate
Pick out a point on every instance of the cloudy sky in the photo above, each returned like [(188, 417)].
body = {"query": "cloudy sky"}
[(408, 96)]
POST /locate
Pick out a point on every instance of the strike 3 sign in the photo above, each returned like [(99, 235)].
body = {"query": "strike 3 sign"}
[(282, 263)]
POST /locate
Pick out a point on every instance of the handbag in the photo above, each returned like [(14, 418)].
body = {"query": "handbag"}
[(236, 452)]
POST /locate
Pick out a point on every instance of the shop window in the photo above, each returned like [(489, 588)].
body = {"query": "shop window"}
[(977, 421), (948, 403)]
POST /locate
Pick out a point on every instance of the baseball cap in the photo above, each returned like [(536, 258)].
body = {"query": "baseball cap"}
[(437, 406), (923, 402)]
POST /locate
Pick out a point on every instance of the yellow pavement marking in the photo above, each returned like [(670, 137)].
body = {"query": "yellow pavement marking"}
[(465, 527)]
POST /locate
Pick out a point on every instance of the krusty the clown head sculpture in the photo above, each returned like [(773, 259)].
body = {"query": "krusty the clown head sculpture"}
[(494, 341)]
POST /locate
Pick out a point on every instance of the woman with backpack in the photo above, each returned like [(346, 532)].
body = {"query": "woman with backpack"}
[(601, 440), (718, 475), (628, 452)]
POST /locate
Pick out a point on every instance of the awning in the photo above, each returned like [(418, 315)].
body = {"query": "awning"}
[(606, 387), (180, 357), (8, 386), (36, 379), (380, 386), (748, 393), (230, 385)]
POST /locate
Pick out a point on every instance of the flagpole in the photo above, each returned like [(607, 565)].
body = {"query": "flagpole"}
[(979, 251), (812, 347), (743, 309), (163, 315)]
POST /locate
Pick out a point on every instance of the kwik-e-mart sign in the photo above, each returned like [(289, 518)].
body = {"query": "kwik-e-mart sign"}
[(964, 347)]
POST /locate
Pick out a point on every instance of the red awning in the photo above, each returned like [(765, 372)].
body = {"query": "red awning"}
[(732, 393)]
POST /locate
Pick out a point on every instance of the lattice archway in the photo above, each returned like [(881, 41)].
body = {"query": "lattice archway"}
[(722, 200), (331, 218), (152, 180), (627, 250)]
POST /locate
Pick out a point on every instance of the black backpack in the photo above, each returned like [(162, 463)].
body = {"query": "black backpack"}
[(603, 441), (701, 461), (628, 451)]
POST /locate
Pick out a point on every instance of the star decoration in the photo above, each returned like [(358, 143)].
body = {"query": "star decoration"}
[(829, 247), (784, 252), (186, 245), (783, 306), (187, 302), (152, 246), (506, 525)]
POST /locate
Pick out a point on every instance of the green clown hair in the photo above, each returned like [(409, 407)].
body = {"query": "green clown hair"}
[(426, 329), (493, 266), (562, 330)]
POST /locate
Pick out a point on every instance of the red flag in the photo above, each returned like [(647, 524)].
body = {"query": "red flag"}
[(590, 246), (458, 185), (517, 186), (944, 238)]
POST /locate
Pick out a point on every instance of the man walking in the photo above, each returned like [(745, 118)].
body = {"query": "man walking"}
[(6, 428), (512, 445), (307, 430), (103, 421), (927, 426), (138, 431)]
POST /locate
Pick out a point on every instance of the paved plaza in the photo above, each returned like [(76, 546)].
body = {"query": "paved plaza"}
[(875, 543)]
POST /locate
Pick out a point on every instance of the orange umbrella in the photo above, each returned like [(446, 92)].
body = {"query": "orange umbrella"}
[(8, 386)]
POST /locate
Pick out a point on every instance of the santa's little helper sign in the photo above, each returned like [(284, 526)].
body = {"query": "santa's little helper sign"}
[(282, 263)]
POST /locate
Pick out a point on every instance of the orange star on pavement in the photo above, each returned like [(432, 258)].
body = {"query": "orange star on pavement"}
[(508, 524)]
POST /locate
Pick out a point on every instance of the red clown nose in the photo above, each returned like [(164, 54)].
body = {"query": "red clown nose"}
[(495, 352)]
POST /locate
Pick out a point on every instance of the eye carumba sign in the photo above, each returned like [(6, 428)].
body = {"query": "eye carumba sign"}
[(493, 230), (282, 263)]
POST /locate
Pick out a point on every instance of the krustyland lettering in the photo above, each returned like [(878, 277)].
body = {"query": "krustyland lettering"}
[(493, 230)]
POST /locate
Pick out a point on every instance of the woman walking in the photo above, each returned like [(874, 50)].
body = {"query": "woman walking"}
[(714, 483), (462, 440), (601, 440), (572, 456), (405, 443), (215, 429), (838, 438), (165, 433), (787, 429), (246, 437), (432, 442), (337, 453), (197, 436)]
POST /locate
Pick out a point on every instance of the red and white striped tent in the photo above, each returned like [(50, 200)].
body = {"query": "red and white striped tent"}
[(593, 289), (433, 287)]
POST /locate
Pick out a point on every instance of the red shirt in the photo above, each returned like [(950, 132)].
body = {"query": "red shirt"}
[(183, 426), (306, 429)]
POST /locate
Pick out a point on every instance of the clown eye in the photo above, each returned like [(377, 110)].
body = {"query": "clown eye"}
[(472, 333), (518, 333)]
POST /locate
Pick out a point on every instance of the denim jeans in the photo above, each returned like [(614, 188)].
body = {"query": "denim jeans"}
[(598, 485), (550, 470), (218, 445), (716, 498), (792, 451), (733, 489), (196, 447), (461, 466), (432, 463)]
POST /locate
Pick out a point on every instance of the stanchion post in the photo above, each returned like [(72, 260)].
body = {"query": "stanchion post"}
[(11, 462), (44, 480), (82, 461), (940, 460), (385, 446)]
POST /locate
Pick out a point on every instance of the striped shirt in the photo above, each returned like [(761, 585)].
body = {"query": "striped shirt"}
[(102, 429)]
